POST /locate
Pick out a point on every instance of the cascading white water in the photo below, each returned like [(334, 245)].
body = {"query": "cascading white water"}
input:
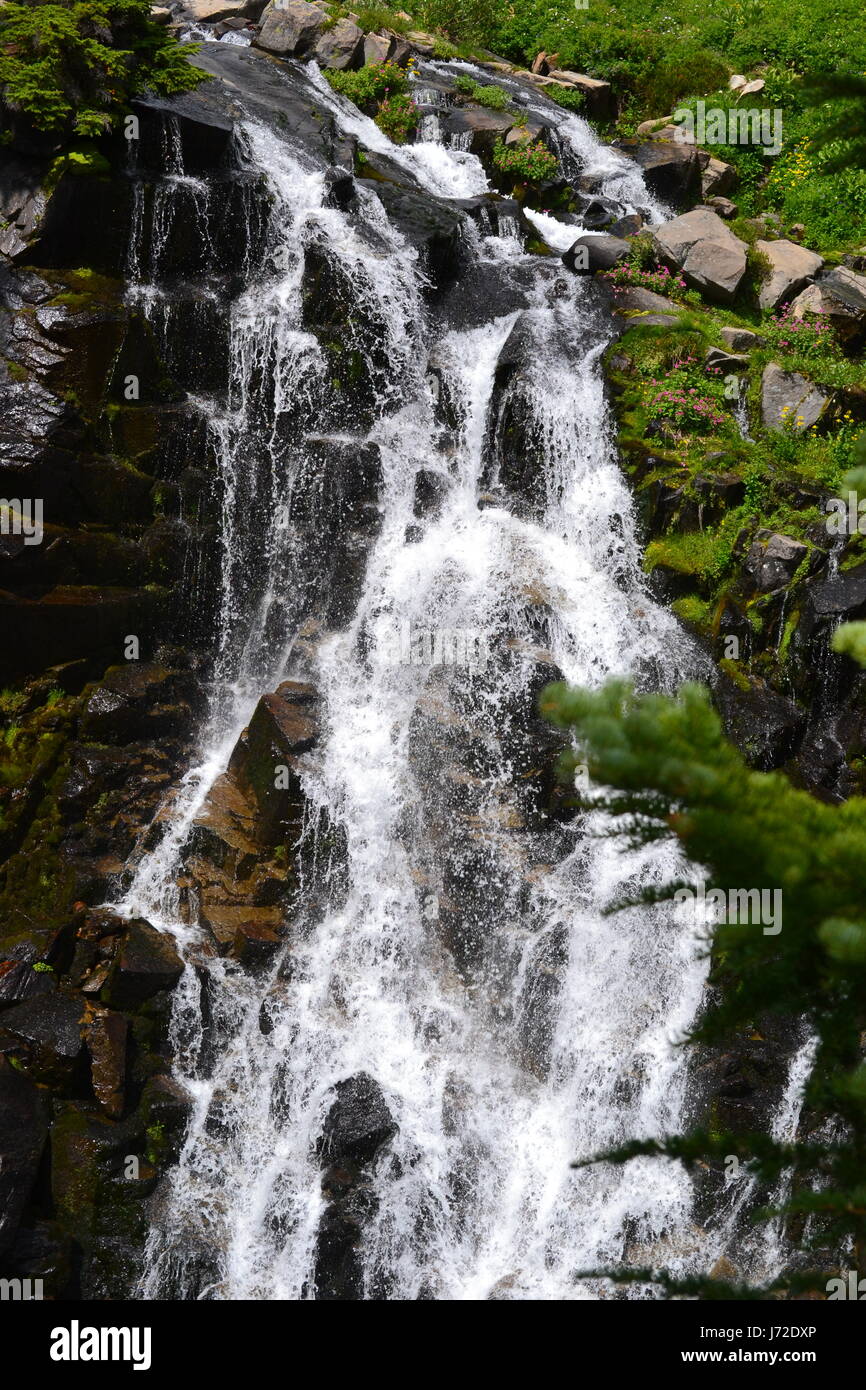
[(548, 1038)]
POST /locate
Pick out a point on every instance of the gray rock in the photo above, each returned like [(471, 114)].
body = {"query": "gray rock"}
[(819, 299), (723, 206), (341, 47), (378, 48), (773, 560), (723, 362), (290, 26), (601, 253), (717, 178), (740, 339), (710, 257), (793, 267), (788, 400)]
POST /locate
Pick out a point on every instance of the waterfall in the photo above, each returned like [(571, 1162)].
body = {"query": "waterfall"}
[(453, 948)]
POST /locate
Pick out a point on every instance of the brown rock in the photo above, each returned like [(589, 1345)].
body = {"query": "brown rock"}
[(105, 1034)]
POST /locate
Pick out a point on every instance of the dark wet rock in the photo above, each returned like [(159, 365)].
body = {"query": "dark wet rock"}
[(773, 560), (672, 171), (255, 945), (284, 725), (765, 725), (42, 1251), (431, 227), (19, 981), (146, 963), (99, 1179), (45, 1033), (23, 1131), (71, 621), (141, 700), (843, 595), (359, 1123)]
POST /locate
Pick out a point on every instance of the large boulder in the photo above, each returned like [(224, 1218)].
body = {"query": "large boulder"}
[(793, 267), (710, 257), (790, 401), (672, 171), (341, 47), (291, 26)]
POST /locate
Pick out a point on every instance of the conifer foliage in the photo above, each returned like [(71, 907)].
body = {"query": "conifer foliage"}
[(665, 771), (69, 67)]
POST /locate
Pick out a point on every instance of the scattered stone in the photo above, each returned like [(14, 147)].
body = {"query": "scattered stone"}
[(793, 267), (718, 178), (710, 257), (378, 48), (789, 401), (647, 128)]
